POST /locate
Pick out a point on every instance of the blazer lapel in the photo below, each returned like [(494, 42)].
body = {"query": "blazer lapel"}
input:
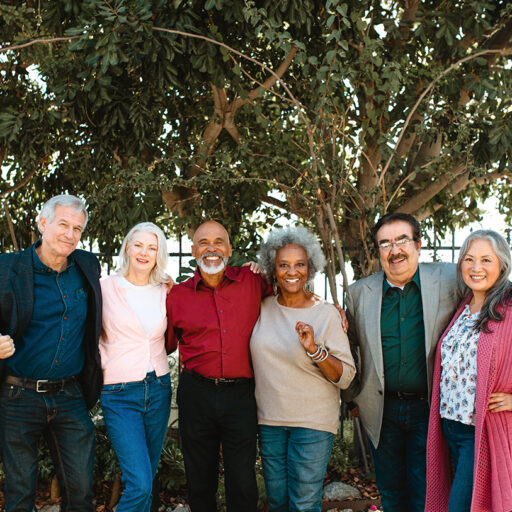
[(430, 289), (23, 285), (372, 306)]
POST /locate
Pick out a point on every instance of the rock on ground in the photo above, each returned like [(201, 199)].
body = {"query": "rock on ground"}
[(339, 491)]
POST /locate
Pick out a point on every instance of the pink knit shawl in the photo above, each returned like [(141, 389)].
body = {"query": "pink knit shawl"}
[(492, 479)]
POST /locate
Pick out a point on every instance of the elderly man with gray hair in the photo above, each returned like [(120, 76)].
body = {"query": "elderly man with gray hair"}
[(50, 373)]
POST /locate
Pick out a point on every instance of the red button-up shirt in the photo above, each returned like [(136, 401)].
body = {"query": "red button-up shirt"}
[(214, 325)]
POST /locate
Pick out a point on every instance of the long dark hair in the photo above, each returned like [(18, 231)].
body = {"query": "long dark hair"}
[(501, 291)]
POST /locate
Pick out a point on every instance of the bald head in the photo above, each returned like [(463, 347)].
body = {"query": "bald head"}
[(211, 248), (208, 228)]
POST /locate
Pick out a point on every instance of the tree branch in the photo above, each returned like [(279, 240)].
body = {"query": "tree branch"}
[(20, 184), (426, 194), (269, 82), (427, 90)]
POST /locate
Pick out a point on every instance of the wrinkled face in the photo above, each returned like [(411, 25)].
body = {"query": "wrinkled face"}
[(291, 270), (399, 262), (480, 267), (142, 251), (61, 236), (211, 247)]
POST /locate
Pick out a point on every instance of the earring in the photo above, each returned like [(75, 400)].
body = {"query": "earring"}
[(274, 287)]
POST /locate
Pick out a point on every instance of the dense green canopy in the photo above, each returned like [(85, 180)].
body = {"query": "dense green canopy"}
[(333, 111)]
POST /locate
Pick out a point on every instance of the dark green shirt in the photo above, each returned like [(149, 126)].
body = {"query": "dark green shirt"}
[(403, 337)]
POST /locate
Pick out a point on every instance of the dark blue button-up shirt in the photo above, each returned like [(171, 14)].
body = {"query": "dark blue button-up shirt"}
[(52, 345)]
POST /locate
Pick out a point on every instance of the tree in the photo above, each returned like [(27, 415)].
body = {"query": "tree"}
[(169, 110)]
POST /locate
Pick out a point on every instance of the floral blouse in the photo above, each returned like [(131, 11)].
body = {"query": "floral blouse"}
[(458, 370)]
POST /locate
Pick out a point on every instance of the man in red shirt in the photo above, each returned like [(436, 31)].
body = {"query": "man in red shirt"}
[(211, 316)]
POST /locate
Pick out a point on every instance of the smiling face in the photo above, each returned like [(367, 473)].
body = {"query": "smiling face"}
[(399, 263), (480, 267), (60, 236), (211, 247), (291, 270), (142, 250)]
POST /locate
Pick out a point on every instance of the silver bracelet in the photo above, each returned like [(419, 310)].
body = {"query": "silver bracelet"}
[(322, 357), (318, 352)]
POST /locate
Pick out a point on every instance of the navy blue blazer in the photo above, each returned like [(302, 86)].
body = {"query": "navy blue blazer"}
[(17, 303)]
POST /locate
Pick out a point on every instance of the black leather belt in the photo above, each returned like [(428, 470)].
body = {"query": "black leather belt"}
[(217, 381), (403, 395), (40, 385)]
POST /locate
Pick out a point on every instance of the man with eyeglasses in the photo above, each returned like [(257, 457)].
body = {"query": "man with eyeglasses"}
[(396, 317)]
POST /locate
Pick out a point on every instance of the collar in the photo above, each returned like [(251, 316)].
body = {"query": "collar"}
[(415, 279), (229, 273), (40, 267)]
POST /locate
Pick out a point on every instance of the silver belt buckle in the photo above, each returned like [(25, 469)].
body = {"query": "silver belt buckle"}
[(41, 381)]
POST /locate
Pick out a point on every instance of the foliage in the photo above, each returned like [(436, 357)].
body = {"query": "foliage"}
[(381, 105)]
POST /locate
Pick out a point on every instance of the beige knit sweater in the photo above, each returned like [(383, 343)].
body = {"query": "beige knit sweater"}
[(290, 389)]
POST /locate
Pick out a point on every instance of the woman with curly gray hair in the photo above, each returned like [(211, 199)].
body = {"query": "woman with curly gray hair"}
[(301, 359)]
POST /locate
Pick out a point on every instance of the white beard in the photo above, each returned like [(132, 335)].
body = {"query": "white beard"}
[(211, 269)]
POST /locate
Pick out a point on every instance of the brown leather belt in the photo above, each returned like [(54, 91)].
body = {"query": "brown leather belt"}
[(40, 385)]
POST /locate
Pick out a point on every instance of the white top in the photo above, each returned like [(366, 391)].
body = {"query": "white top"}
[(458, 370), (290, 388), (145, 302)]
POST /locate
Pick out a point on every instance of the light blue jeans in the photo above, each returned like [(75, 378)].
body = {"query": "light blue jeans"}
[(136, 416), (294, 463)]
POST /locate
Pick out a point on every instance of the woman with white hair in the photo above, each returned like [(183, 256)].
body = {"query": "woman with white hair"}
[(301, 359), (136, 395), (469, 449)]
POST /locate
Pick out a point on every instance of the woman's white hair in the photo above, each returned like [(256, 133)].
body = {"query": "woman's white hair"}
[(298, 235), (158, 274), (48, 210)]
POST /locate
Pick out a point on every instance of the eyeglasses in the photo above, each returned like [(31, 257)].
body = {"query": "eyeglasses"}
[(386, 244)]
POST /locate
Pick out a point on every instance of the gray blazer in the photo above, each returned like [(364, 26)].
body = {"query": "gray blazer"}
[(363, 305)]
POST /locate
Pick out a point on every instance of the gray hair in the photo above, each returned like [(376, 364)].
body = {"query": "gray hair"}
[(158, 274), (48, 210), (501, 292), (298, 235)]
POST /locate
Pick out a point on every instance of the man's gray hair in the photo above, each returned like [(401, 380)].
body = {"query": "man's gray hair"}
[(158, 273), (501, 291), (48, 210), (298, 235)]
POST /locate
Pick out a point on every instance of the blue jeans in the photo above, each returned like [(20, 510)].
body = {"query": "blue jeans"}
[(400, 459), (136, 416), (294, 463), (62, 417), (461, 440)]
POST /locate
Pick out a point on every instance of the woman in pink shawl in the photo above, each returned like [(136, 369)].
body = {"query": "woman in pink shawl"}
[(469, 449)]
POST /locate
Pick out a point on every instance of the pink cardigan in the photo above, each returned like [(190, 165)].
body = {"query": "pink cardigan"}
[(492, 478), (125, 349)]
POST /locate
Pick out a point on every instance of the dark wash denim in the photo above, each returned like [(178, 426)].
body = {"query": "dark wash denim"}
[(461, 440), (400, 459), (136, 416), (62, 417), (210, 416), (294, 462)]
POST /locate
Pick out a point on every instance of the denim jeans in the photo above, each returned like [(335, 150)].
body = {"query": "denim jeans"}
[(461, 440), (294, 462), (400, 459), (136, 416), (62, 417)]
